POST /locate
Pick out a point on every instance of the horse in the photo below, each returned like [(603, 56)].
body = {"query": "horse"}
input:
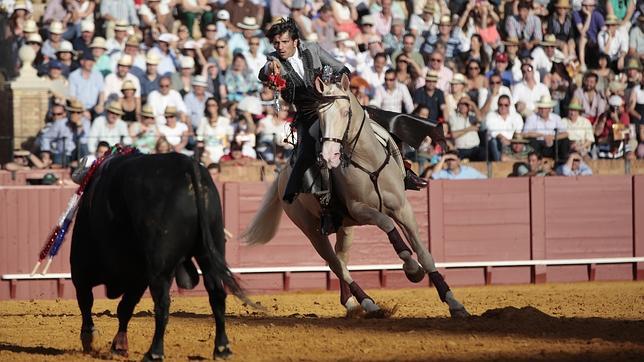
[(369, 185)]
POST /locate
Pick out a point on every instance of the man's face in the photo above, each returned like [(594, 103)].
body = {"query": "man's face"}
[(523, 14), (100, 151), (131, 50), (97, 52), (504, 106), (87, 65), (211, 32), (512, 49), (75, 117), (164, 86), (55, 38), (590, 83), (199, 90), (386, 6), (64, 56), (122, 70), (253, 44), (445, 29), (379, 63), (517, 147), (151, 68), (550, 51), (120, 34), (390, 81), (408, 44), (544, 113), (284, 45), (436, 61), (87, 36), (58, 112), (453, 163), (463, 108), (112, 117), (534, 163), (430, 85), (55, 73), (164, 46)]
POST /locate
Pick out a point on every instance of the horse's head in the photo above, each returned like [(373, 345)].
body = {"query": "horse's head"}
[(335, 118)]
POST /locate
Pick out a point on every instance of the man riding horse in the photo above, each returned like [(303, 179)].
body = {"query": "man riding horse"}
[(299, 63)]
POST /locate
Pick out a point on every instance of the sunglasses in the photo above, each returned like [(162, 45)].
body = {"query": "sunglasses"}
[(169, 116), (436, 60), (493, 82), (390, 79), (212, 105), (504, 105), (474, 68), (254, 44), (164, 85), (220, 46), (76, 112), (58, 114)]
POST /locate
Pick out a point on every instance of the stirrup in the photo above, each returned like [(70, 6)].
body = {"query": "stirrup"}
[(413, 181)]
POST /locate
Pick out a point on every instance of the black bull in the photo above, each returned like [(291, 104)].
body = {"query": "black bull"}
[(140, 222)]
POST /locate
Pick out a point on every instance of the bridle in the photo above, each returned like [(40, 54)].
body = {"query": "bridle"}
[(346, 158)]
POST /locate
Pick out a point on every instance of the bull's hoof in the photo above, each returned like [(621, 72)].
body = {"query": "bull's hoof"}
[(88, 339), (414, 276), (120, 345), (119, 352), (148, 357), (459, 313), (222, 352)]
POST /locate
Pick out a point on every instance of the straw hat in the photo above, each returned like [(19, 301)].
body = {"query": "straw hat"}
[(34, 38), (167, 38), (75, 106), (428, 8), (341, 36), (445, 20), (170, 111), (187, 63), (249, 23), (133, 41), (87, 26), (633, 63), (546, 102), (611, 20), (432, 76), (128, 85), (549, 41), (517, 138), (65, 47), (512, 41), (575, 105), (616, 86), (147, 111), (615, 101), (126, 60), (56, 27), (121, 25), (115, 107), (458, 78), (30, 26), (199, 81), (564, 4), (251, 104), (152, 58), (98, 42), (397, 21)]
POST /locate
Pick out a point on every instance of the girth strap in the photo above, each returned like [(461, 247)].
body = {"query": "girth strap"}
[(373, 176)]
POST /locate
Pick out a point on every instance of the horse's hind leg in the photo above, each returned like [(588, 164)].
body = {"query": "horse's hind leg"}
[(344, 238), (124, 311), (407, 222)]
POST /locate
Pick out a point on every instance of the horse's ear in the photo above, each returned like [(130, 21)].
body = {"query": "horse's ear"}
[(344, 82), (319, 85)]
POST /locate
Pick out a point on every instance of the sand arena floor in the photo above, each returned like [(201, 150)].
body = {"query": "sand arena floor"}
[(582, 321)]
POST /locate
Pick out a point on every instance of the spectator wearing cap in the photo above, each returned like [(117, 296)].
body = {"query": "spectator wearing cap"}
[(109, 127), (175, 132), (527, 93), (450, 168), (501, 125), (393, 95), (324, 27), (464, 126), (168, 59), (613, 43), (117, 13), (383, 19), (58, 85), (589, 21), (636, 39), (116, 42), (99, 51), (547, 132), (393, 40), (375, 74), (238, 42), (560, 24), (254, 58), (223, 24), (82, 42), (431, 97), (145, 133), (156, 16), (150, 79), (114, 81), (525, 26), (592, 100), (495, 90), (164, 97), (67, 138), (501, 66), (580, 130), (611, 129), (182, 81), (240, 9), (86, 85), (195, 100), (52, 43), (450, 36), (129, 103)]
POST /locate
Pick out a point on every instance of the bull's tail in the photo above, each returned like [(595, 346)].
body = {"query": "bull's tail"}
[(217, 259), (266, 221)]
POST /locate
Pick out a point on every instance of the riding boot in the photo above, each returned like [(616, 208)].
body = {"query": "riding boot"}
[(305, 157), (327, 222), (413, 181)]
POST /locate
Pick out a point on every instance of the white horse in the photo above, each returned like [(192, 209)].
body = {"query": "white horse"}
[(369, 183)]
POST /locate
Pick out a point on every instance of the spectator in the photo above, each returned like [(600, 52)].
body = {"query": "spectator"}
[(344, 51), (196, 100), (168, 60), (537, 165), (495, 90), (129, 102), (449, 168), (235, 156), (175, 132), (82, 42), (613, 43), (145, 133), (254, 58), (464, 129), (214, 131), (163, 146), (547, 132), (375, 74), (502, 125), (528, 92), (544, 55), (361, 90), (149, 80), (324, 27), (580, 130), (408, 73), (50, 45), (393, 40), (156, 16), (611, 129), (116, 13), (393, 96), (574, 166), (131, 48), (431, 97), (86, 84), (238, 79), (444, 73), (182, 81), (423, 24), (457, 91), (238, 42), (114, 81), (636, 39), (165, 97), (240, 9), (67, 137), (449, 36), (593, 102), (560, 24), (117, 37), (501, 66), (248, 108), (589, 22), (519, 149), (476, 82), (99, 51), (109, 128), (58, 85), (525, 26)]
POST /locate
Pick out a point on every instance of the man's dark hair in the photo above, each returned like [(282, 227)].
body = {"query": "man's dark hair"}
[(281, 27), (524, 5), (533, 153), (390, 71), (380, 55), (504, 96), (409, 35), (102, 144)]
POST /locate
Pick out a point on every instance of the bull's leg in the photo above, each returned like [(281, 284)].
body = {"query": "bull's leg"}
[(367, 215), (344, 238), (85, 299), (217, 299), (160, 291), (407, 222), (124, 311)]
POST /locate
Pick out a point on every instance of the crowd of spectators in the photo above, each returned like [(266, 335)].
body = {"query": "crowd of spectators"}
[(507, 80)]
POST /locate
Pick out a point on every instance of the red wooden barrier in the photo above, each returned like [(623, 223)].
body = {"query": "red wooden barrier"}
[(638, 225)]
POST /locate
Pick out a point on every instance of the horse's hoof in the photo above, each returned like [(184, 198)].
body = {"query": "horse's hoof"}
[(88, 340), (148, 357), (353, 308), (459, 313), (376, 314), (222, 352), (415, 276)]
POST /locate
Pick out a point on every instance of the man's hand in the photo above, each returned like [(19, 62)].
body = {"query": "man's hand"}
[(504, 141), (549, 140), (274, 66)]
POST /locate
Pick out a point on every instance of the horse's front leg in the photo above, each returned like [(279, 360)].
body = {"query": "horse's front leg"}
[(344, 239), (405, 219)]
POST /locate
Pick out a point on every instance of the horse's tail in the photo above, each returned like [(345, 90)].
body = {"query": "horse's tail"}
[(266, 221)]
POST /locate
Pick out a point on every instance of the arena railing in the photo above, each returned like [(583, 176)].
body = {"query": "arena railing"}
[(286, 271)]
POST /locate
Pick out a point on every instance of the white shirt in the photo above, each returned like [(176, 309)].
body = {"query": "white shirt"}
[(393, 100), (101, 131), (534, 123), (173, 135), (522, 93), (159, 102), (541, 62), (581, 130), (374, 78), (494, 105), (619, 43), (296, 63), (255, 63), (113, 85), (496, 124), (467, 140)]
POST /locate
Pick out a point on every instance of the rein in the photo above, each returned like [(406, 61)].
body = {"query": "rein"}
[(347, 159)]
